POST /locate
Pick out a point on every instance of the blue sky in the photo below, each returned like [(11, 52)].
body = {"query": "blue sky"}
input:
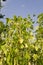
[(22, 7)]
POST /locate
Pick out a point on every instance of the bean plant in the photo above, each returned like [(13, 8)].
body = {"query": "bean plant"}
[(21, 41)]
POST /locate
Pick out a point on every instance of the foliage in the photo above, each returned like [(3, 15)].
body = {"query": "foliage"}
[(19, 43)]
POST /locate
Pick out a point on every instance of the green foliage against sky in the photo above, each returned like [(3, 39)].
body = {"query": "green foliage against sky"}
[(19, 43)]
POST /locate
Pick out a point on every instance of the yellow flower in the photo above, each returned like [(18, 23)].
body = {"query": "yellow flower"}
[(36, 48), (21, 40), (29, 63), (31, 33), (26, 46)]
